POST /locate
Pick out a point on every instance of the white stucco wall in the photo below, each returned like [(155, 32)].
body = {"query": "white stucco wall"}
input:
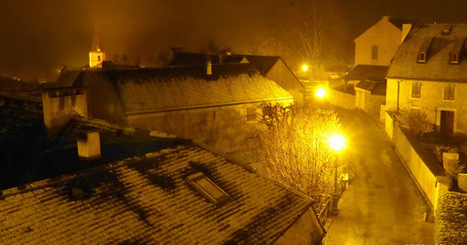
[(382, 34), (431, 101)]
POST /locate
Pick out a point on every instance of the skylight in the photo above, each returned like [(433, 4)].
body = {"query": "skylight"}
[(207, 188)]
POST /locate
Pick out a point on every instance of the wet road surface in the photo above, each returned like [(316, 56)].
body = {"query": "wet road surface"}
[(382, 205)]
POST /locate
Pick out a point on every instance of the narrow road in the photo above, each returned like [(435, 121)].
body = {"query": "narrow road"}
[(382, 205)]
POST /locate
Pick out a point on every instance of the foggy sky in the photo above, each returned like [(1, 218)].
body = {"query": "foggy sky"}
[(37, 37)]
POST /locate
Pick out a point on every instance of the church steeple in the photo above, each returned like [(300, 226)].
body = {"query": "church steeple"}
[(96, 56)]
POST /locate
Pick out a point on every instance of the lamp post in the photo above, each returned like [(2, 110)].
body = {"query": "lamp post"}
[(336, 143)]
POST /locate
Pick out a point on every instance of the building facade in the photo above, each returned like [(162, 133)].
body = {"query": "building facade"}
[(429, 73)]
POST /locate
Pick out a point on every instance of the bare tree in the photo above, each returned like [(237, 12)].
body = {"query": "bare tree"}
[(294, 149), (315, 19)]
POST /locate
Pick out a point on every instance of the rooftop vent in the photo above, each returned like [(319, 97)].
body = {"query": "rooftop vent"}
[(208, 67), (207, 188), (446, 30), (89, 144)]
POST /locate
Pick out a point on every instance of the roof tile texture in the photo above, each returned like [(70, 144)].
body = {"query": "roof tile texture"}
[(130, 202)]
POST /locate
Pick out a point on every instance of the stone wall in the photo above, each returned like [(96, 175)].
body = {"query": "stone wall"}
[(342, 99), (225, 128), (428, 180)]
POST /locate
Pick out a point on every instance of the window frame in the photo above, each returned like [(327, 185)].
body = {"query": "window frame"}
[(452, 91), (415, 95), (374, 52), (199, 180)]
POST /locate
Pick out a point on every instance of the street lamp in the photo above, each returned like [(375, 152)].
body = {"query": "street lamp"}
[(336, 143), (304, 68), (320, 93)]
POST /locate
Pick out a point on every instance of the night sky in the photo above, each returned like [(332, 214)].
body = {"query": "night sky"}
[(37, 37)]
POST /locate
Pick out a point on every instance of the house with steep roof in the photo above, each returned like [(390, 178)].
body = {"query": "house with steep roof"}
[(219, 104), (271, 67), (429, 73), (374, 50), (370, 86), (378, 44), (96, 183)]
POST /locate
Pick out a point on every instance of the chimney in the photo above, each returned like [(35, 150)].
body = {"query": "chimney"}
[(208, 66), (58, 107), (462, 181), (405, 31), (89, 144), (450, 162)]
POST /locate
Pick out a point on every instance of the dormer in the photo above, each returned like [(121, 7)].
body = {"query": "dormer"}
[(422, 56), (457, 52)]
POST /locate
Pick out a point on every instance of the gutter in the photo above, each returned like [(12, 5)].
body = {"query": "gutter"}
[(182, 108)]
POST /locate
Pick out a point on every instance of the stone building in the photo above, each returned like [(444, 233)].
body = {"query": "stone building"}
[(429, 73)]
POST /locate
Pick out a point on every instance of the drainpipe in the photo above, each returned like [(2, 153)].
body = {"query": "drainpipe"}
[(398, 92)]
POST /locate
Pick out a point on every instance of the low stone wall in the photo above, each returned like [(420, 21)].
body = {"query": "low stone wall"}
[(342, 99), (426, 179)]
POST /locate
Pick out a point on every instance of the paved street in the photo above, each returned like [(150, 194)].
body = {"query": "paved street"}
[(382, 205)]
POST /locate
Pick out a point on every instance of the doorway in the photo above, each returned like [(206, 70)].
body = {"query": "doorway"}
[(447, 122)]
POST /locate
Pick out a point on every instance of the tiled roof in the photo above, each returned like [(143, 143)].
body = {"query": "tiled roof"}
[(437, 66), (173, 88), (27, 155), (146, 200), (376, 88), (367, 72), (261, 62)]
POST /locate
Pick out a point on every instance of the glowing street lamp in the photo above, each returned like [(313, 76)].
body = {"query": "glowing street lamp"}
[(336, 143), (320, 93), (304, 68)]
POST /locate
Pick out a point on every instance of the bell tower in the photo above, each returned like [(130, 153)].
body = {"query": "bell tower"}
[(96, 56)]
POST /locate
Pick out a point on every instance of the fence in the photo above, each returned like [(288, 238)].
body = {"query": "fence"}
[(324, 213)]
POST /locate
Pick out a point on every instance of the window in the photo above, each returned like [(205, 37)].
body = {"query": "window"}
[(454, 58), (421, 57), (449, 91), (374, 52), (416, 89), (207, 188), (251, 114)]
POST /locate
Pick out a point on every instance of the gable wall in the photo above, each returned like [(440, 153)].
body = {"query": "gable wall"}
[(280, 74), (383, 34)]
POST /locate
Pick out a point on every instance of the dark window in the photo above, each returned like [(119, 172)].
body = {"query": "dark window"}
[(207, 188), (449, 91), (421, 57), (98, 58), (454, 58), (374, 52), (416, 89)]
